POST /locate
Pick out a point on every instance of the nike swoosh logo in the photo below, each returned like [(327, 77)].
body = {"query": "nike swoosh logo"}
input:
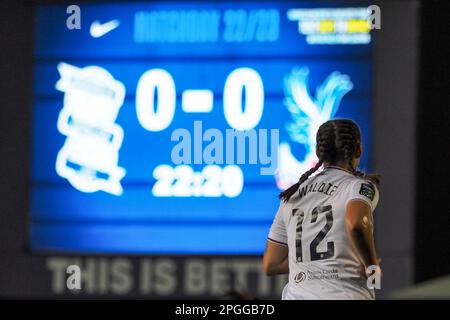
[(98, 29)]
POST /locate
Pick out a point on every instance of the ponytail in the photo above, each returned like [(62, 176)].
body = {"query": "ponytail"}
[(288, 193), (371, 177), (374, 178)]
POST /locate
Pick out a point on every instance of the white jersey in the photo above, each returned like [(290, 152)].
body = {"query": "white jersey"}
[(323, 262)]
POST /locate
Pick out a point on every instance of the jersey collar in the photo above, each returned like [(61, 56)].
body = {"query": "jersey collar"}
[(338, 168)]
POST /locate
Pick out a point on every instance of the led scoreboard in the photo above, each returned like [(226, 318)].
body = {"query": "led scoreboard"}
[(170, 128)]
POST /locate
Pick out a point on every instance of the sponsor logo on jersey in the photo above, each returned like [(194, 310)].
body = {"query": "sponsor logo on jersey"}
[(324, 274), (299, 277), (367, 190)]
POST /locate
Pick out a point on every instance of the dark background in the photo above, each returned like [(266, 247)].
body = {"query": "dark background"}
[(432, 247), (411, 145)]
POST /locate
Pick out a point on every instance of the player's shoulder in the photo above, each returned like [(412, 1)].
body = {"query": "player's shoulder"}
[(363, 186), (351, 179), (348, 179)]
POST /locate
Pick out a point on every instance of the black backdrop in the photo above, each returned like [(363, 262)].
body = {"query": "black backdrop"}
[(16, 65), (432, 240)]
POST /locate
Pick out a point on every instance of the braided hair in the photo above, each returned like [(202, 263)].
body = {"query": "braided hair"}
[(337, 140)]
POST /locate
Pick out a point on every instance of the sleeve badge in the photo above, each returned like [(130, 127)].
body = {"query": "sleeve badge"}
[(367, 190)]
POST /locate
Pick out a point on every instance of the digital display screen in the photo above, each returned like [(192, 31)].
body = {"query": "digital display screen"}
[(170, 128)]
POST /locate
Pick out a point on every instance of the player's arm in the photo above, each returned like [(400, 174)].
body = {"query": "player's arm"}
[(358, 219), (275, 260)]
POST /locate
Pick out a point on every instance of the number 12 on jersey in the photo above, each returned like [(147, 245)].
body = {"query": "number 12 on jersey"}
[(325, 211)]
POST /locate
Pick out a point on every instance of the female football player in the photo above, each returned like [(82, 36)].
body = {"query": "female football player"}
[(322, 234)]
